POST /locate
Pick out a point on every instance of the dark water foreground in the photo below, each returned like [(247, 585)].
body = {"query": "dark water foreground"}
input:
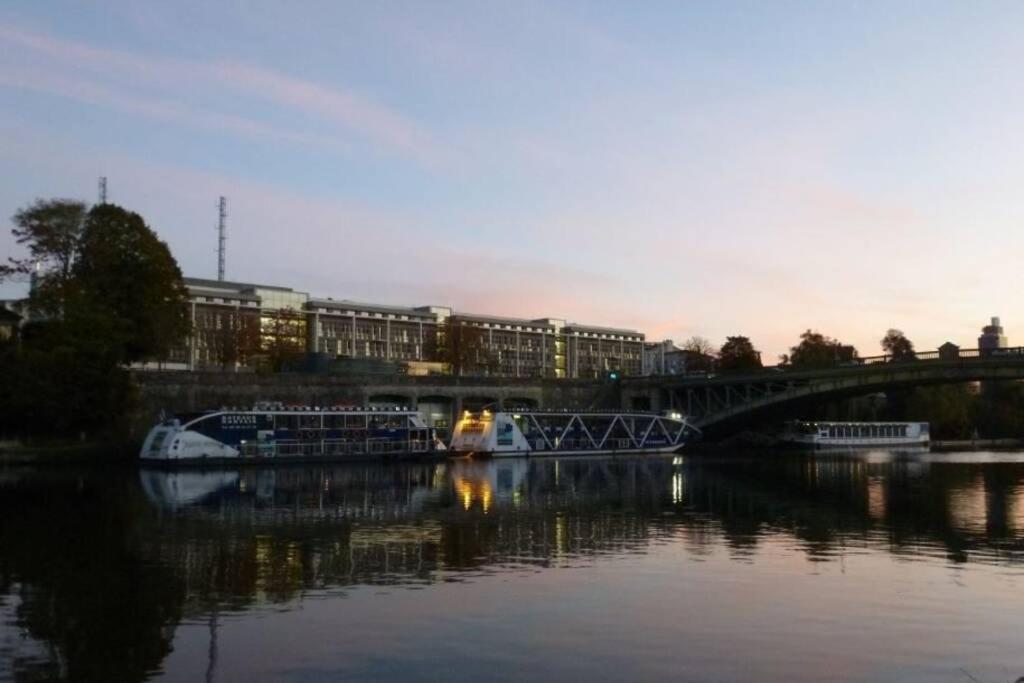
[(796, 568)]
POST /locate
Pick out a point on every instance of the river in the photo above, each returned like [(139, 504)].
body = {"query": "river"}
[(868, 567)]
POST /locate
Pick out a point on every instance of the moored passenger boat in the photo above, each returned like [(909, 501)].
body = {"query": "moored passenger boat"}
[(537, 432), (857, 434), (289, 434)]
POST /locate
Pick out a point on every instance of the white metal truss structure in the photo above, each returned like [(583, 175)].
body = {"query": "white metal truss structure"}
[(602, 431)]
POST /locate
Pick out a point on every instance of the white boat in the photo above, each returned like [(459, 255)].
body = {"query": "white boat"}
[(297, 433), (857, 434), (538, 432)]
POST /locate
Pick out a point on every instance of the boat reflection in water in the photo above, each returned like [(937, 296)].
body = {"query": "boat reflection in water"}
[(176, 489), (108, 576)]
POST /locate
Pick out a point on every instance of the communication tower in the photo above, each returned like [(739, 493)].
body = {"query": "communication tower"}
[(103, 189), (221, 236)]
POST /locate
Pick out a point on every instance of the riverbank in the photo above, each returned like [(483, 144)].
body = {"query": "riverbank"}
[(977, 444), (65, 452)]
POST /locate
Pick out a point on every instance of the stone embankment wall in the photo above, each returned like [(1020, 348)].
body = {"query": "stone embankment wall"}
[(175, 391)]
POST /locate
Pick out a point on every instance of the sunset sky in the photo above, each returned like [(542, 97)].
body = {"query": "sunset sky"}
[(679, 168)]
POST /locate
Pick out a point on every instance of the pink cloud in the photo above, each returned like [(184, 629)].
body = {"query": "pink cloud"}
[(89, 92), (348, 109)]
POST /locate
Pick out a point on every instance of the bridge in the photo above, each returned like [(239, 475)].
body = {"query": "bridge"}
[(710, 399)]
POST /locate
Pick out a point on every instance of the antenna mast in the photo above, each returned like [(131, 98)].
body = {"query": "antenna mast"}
[(103, 189), (221, 236)]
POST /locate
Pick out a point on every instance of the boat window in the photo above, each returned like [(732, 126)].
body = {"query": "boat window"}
[(289, 422), (355, 421), (158, 440), (310, 421), (397, 421), (334, 421)]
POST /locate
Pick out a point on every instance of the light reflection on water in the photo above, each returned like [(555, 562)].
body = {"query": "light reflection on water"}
[(878, 566)]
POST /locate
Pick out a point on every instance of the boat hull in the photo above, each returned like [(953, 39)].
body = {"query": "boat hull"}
[(564, 453), (289, 436), (860, 444)]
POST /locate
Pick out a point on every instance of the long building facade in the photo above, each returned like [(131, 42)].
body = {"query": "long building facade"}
[(237, 324)]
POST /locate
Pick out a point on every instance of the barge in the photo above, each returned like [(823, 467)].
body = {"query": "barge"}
[(539, 432), (296, 434)]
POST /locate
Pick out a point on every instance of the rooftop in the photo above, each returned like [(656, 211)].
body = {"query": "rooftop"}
[(228, 285), (418, 312)]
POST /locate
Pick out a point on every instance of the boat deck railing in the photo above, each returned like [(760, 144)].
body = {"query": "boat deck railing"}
[(609, 412), (584, 445), (334, 447)]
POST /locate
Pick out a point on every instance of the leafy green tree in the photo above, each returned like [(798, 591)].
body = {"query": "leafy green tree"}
[(948, 410), (896, 344), (738, 353), (998, 411), (51, 230), (816, 350), (63, 380), (108, 293), (125, 273)]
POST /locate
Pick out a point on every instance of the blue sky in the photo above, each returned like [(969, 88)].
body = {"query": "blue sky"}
[(680, 168)]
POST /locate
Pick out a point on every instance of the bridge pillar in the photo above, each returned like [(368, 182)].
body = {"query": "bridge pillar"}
[(655, 398), (456, 410)]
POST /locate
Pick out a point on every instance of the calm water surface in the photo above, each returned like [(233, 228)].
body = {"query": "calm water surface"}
[(872, 567)]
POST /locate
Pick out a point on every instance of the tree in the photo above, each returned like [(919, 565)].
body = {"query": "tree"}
[(738, 353), (283, 336), (700, 353), (231, 337), (947, 408), (896, 344), (108, 292), (816, 350), (699, 345), (127, 274), (463, 348), (52, 231)]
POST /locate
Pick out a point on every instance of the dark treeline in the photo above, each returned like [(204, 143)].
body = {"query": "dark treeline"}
[(106, 292)]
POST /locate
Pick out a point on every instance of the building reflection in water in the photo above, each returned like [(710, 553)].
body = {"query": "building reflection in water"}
[(93, 559)]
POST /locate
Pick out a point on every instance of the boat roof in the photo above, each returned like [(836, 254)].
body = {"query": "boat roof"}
[(858, 423), (335, 410), (570, 413)]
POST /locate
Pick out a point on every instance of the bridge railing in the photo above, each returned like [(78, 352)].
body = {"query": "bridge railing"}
[(945, 355)]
